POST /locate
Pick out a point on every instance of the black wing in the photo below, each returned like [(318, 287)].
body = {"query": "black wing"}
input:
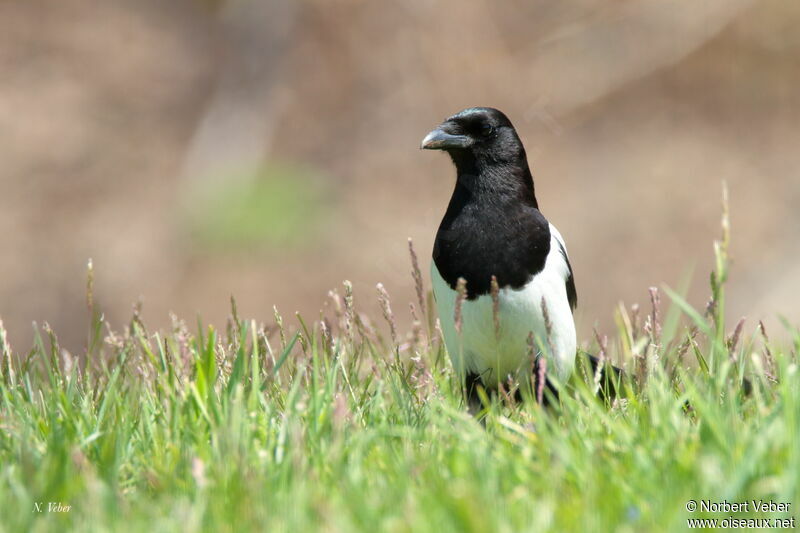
[(572, 294)]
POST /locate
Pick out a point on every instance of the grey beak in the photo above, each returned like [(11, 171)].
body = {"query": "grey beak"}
[(439, 139)]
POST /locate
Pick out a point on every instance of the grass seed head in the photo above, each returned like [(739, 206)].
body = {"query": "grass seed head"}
[(769, 360), (495, 291), (416, 329), (542, 375), (6, 365), (548, 325), (461, 289), (417, 275), (279, 324), (349, 312), (388, 315), (602, 343), (531, 343), (733, 340), (655, 317)]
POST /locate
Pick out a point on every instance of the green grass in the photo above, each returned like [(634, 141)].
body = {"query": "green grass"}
[(337, 428)]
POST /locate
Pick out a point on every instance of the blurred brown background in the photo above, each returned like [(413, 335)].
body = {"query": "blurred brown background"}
[(269, 150)]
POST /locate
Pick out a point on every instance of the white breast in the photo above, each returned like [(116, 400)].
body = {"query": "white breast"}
[(478, 349)]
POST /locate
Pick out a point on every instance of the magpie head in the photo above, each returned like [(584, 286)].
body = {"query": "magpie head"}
[(480, 134), (485, 149)]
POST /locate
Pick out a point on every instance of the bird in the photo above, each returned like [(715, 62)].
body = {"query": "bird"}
[(493, 234)]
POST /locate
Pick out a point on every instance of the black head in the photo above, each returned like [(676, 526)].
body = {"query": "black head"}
[(485, 148), (483, 132)]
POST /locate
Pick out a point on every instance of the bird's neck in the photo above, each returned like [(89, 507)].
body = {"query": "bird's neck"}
[(493, 182)]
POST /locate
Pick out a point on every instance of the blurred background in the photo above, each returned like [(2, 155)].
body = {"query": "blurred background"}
[(269, 149)]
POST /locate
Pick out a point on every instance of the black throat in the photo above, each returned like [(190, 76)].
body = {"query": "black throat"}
[(492, 226)]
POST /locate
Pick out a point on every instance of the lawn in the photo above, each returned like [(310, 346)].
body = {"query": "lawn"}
[(345, 424)]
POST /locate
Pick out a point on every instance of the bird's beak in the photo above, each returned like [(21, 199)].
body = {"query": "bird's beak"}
[(439, 139)]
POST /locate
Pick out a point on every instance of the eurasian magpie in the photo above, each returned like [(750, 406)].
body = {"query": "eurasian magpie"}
[(493, 228)]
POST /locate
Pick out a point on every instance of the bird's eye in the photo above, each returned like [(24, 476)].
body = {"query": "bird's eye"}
[(486, 130)]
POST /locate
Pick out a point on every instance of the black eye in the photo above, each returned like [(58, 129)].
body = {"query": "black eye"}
[(487, 130)]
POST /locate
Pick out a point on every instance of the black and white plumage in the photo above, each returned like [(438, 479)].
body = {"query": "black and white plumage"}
[(493, 227)]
